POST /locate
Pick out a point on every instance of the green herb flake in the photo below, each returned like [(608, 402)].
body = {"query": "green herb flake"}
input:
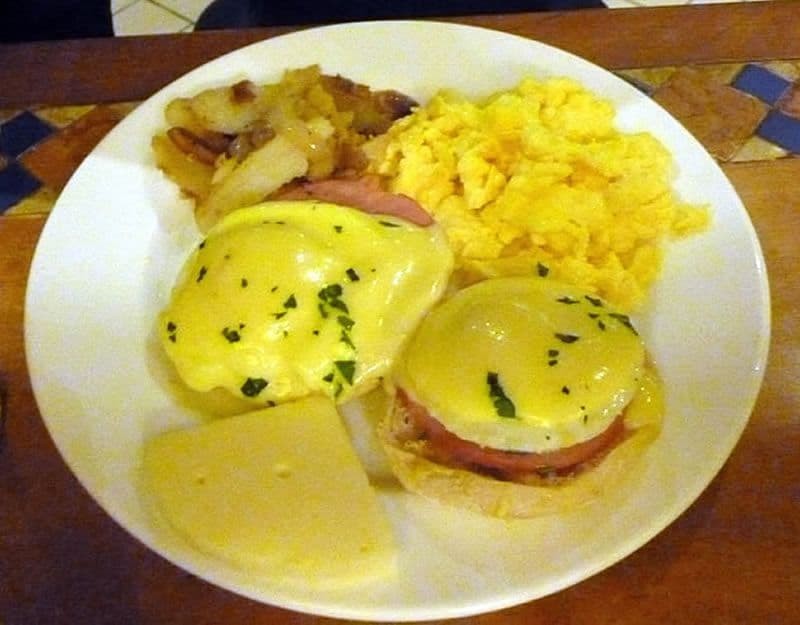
[(552, 363), (601, 324), (352, 275), (244, 283), (253, 386), (542, 270), (502, 404), (566, 338), (279, 315), (202, 244), (171, 327), (347, 369), (202, 273), (346, 322), (552, 353), (594, 301), (344, 337), (567, 300), (330, 292), (338, 229), (232, 336), (328, 378), (565, 390), (291, 302), (389, 224), (624, 320)]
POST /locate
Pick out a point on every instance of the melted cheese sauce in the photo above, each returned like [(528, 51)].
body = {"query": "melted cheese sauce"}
[(279, 489), (524, 364), (286, 299)]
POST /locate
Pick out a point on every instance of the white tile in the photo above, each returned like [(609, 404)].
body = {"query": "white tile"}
[(146, 18), (118, 5), (190, 9)]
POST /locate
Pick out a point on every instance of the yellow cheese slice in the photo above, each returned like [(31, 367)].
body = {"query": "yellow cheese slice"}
[(280, 489)]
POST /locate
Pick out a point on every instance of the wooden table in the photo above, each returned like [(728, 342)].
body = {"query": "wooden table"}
[(731, 558)]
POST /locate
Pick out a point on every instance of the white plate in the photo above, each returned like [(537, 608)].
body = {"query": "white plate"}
[(112, 246)]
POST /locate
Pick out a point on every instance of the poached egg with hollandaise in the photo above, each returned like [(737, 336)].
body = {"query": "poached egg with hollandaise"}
[(291, 298), (524, 364), (519, 397)]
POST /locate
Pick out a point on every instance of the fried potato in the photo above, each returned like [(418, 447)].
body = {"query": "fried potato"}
[(263, 171), (315, 126), (191, 175)]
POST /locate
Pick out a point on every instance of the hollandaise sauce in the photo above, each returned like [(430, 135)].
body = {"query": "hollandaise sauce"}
[(286, 299), (524, 365)]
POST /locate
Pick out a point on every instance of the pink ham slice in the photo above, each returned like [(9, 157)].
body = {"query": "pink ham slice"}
[(364, 193)]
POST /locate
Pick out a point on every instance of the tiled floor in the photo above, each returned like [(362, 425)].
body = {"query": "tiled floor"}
[(144, 17)]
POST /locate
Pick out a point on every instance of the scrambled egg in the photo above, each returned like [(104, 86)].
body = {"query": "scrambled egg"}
[(538, 180)]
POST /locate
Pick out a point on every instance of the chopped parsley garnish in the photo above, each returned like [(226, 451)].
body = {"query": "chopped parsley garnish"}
[(202, 273), (328, 377), (291, 302), (601, 324), (351, 273), (171, 327), (344, 337), (567, 300), (202, 244), (346, 322), (338, 229), (244, 283), (542, 270), (253, 386), (232, 336), (552, 353), (502, 404), (347, 369), (565, 390), (330, 296), (389, 224), (567, 338), (624, 320), (594, 301)]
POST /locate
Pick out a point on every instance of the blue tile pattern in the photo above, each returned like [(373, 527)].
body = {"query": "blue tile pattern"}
[(16, 183), (760, 82), (782, 130), (17, 135), (22, 132)]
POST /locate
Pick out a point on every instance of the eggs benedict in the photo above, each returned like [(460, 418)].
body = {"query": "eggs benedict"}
[(519, 397), (291, 298)]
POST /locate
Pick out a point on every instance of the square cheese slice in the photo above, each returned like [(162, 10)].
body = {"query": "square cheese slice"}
[(280, 490)]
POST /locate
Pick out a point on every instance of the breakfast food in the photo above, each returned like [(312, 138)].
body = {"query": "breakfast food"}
[(520, 397), (233, 146), (246, 490), (539, 179), (290, 298), (338, 217)]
